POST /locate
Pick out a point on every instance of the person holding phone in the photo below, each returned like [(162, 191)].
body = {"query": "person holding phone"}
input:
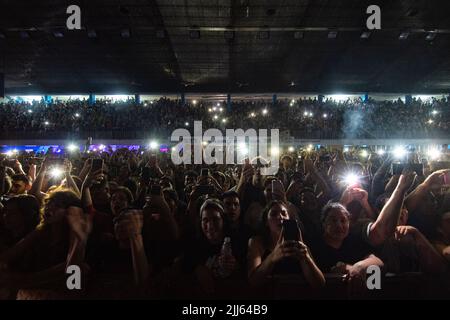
[(269, 252)]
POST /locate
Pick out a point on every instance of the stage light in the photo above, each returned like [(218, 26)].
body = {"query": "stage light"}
[(310, 114), (309, 148), (325, 115), (218, 104), (209, 110), (214, 108), (186, 124), (264, 111), (216, 117), (101, 147), (434, 112), (430, 121), (30, 111), (305, 114), (77, 115), (204, 143), (291, 149), (46, 123), (153, 145), (399, 152), (364, 154), (220, 109), (9, 153), (72, 147), (194, 102), (380, 152), (434, 154), (252, 115), (346, 149), (224, 120)]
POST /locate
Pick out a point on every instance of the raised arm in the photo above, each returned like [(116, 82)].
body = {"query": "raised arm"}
[(386, 223)]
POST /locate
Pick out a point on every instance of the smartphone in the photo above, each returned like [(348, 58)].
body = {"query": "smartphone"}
[(277, 189), (97, 164), (397, 168), (291, 231), (155, 190)]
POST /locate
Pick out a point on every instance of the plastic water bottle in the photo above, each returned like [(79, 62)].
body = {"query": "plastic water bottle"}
[(226, 252)]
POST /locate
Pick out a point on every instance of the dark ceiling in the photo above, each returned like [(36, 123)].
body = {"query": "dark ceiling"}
[(181, 45)]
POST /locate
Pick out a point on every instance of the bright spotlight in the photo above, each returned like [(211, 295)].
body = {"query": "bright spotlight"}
[(305, 114), (364, 154), (220, 109), (399, 152), (101, 147), (291, 149), (209, 110), (46, 123), (218, 104), (380, 152), (310, 114), (434, 154), (153, 145), (9, 153), (214, 108), (309, 148), (346, 149), (264, 111), (186, 124), (194, 102), (72, 147), (252, 115), (430, 121), (224, 120), (325, 115), (434, 112), (204, 143), (56, 172), (216, 117), (30, 111), (77, 115)]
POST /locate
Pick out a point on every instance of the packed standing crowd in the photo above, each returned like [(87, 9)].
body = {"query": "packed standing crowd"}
[(139, 226), (304, 118)]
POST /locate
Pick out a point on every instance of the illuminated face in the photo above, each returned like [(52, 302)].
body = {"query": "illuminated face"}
[(212, 225), (337, 224), (18, 187), (275, 218), (119, 202), (232, 208)]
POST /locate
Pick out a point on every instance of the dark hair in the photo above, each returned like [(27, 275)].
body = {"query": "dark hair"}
[(263, 230), (330, 206), (286, 156), (126, 192), (21, 177), (131, 185), (212, 204), (29, 209), (230, 194), (171, 194)]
